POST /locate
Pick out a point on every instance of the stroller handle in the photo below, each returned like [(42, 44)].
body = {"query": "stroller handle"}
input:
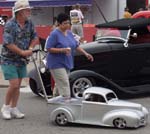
[(36, 50)]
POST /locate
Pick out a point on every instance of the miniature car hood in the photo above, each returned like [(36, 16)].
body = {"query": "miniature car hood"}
[(123, 103)]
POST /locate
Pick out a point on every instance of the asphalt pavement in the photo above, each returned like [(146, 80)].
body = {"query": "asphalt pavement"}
[(37, 120)]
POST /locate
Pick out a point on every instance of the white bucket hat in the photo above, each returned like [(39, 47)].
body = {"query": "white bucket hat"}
[(20, 5)]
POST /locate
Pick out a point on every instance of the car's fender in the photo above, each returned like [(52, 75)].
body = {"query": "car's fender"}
[(87, 73), (34, 75), (78, 73), (64, 110), (132, 117)]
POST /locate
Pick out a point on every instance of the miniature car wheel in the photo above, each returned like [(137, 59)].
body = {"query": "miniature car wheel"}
[(119, 123), (61, 119), (33, 86), (79, 85)]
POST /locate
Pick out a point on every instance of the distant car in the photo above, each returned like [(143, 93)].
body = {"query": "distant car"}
[(121, 52), (99, 106), (141, 14)]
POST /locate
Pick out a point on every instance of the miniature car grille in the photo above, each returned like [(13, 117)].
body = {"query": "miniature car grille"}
[(142, 120)]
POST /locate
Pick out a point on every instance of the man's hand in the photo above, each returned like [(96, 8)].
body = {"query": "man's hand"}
[(15, 49), (26, 53)]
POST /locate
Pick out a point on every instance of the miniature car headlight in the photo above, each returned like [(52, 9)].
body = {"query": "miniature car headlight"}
[(145, 110), (42, 70)]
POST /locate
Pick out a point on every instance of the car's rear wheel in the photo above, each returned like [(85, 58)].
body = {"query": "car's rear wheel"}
[(79, 85), (61, 119), (33, 86), (119, 123)]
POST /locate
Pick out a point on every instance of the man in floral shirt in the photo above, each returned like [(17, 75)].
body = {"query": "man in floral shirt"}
[(19, 38)]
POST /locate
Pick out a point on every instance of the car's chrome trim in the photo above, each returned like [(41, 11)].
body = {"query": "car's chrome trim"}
[(111, 37), (127, 39)]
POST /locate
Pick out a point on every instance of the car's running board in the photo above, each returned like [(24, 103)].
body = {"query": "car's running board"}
[(133, 91), (125, 91), (139, 89)]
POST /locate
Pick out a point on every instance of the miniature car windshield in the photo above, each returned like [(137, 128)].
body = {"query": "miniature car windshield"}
[(111, 96), (94, 98)]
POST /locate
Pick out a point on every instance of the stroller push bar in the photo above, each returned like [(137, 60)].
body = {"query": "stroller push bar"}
[(38, 73)]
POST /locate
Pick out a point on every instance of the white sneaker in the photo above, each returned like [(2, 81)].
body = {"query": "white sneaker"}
[(16, 113), (6, 112)]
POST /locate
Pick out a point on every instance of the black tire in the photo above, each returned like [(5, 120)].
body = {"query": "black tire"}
[(79, 85), (61, 119), (120, 123), (33, 86)]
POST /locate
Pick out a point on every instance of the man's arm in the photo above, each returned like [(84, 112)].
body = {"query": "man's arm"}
[(19, 51), (81, 15)]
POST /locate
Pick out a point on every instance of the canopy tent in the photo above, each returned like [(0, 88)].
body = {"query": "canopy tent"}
[(46, 3)]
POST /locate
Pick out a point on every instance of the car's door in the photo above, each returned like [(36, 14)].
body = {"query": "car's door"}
[(93, 109), (141, 54), (130, 65)]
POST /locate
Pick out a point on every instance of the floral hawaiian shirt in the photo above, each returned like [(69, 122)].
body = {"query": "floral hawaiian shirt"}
[(21, 37)]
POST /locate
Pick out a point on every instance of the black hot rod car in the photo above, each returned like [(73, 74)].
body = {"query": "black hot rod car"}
[(121, 52)]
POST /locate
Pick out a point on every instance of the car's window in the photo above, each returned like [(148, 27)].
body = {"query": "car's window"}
[(110, 40), (111, 96), (111, 34), (94, 98)]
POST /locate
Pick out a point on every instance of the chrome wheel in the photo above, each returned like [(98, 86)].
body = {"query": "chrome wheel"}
[(61, 119), (119, 123), (79, 86)]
